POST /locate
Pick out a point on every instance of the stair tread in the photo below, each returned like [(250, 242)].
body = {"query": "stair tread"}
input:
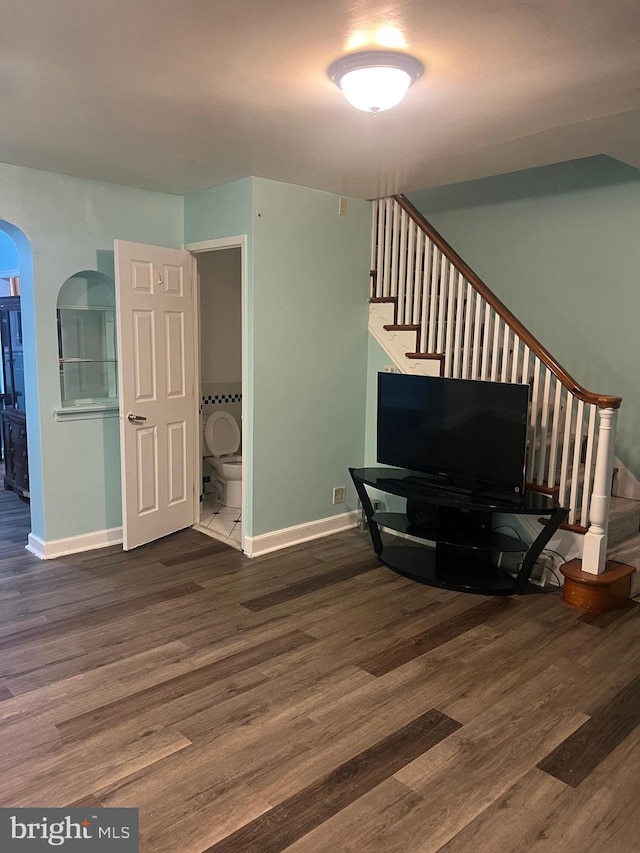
[(401, 327), (624, 505)]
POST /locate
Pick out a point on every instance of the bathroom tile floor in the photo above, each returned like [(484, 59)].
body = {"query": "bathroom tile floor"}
[(223, 522)]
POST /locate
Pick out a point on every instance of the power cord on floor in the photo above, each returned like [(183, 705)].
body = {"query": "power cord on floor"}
[(552, 570)]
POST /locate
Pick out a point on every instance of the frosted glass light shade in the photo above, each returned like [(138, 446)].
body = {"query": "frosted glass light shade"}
[(375, 80), (375, 89)]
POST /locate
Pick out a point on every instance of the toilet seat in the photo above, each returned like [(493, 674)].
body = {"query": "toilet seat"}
[(222, 434)]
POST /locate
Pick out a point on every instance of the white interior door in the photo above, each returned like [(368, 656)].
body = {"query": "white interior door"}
[(156, 369)]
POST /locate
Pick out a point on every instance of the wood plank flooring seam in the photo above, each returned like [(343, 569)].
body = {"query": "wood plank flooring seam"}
[(610, 723), (318, 582), (112, 713), (285, 823), (404, 651), (92, 617)]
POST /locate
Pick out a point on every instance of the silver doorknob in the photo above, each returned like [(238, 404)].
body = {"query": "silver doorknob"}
[(133, 418)]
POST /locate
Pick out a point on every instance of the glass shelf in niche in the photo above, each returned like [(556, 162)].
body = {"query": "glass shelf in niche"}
[(87, 350)]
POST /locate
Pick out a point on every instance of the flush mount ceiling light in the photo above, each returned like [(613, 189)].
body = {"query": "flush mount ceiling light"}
[(375, 80)]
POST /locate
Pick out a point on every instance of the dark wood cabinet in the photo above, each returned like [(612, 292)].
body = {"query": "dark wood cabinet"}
[(14, 430), (14, 421)]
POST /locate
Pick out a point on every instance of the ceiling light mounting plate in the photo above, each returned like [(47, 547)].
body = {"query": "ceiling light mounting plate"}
[(375, 59)]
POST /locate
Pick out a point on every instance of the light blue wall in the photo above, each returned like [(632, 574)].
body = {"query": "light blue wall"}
[(70, 224), (227, 211), (306, 339), (309, 355), (560, 246), (8, 254), (224, 211)]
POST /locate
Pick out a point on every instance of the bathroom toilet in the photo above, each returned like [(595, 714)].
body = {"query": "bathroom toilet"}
[(221, 440)]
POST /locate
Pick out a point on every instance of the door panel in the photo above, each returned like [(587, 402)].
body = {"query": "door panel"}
[(156, 370), (147, 459), (144, 365), (174, 336), (176, 463)]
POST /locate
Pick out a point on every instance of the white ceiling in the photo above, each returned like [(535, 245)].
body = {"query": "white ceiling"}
[(181, 95)]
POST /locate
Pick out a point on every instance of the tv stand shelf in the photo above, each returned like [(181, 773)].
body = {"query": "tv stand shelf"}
[(459, 542)]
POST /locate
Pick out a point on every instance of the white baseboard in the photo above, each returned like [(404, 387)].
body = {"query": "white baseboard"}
[(73, 544), (255, 546)]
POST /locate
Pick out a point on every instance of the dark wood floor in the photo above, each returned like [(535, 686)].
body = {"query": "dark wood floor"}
[(312, 700)]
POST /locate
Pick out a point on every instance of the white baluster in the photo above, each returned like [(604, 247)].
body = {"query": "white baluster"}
[(442, 287), (477, 338), (402, 266), (486, 341), (516, 359), (388, 236), (555, 429), (566, 451), (436, 265), (395, 239), (450, 322), (506, 353), (544, 426), (459, 328), (495, 354), (575, 468), (533, 423), (468, 328), (376, 231), (588, 466), (411, 256), (594, 554), (526, 358), (421, 269)]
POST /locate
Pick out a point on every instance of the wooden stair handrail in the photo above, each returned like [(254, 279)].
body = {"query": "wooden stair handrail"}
[(603, 401)]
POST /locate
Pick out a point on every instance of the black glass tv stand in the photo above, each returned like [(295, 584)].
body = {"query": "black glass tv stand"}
[(423, 483), (459, 548)]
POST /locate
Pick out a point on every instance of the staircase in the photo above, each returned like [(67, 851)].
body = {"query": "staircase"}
[(433, 315), (624, 537)]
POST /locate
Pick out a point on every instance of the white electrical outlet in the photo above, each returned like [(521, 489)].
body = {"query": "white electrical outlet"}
[(390, 368), (339, 494)]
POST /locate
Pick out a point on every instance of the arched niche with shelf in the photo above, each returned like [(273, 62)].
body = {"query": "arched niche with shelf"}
[(87, 341)]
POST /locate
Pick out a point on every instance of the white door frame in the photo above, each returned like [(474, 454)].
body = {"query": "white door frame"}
[(239, 241)]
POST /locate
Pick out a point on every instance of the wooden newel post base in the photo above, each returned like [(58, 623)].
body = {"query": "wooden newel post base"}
[(596, 593)]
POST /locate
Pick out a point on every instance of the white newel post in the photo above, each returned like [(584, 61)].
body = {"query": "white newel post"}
[(594, 555)]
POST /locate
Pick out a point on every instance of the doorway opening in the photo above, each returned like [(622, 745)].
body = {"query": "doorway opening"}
[(14, 458), (221, 368)]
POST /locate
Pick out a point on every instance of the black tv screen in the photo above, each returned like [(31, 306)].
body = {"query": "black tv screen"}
[(459, 432)]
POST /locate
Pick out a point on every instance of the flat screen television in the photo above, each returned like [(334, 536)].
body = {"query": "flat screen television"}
[(461, 433)]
